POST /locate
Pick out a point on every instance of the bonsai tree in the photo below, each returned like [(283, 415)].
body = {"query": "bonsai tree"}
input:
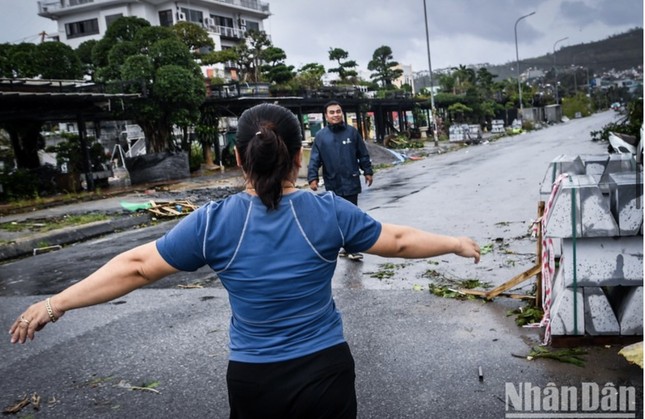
[(156, 63), (384, 67), (345, 69)]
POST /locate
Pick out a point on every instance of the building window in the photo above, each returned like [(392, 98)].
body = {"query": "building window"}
[(252, 26), (191, 15), (109, 20), (82, 28), (165, 18), (223, 21)]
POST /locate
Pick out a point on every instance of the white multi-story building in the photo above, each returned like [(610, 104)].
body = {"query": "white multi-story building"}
[(407, 77), (225, 20)]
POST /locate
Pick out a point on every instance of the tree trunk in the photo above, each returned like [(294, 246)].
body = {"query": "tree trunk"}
[(157, 136), (26, 141), (208, 155)]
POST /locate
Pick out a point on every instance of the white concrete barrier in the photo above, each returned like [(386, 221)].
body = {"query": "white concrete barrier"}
[(603, 261), (599, 316), (626, 201), (593, 226), (580, 204), (630, 312), (567, 309)]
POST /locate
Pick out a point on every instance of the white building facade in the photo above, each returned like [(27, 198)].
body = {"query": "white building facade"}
[(225, 20)]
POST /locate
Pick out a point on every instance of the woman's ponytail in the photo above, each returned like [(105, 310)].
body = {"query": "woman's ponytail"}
[(268, 139)]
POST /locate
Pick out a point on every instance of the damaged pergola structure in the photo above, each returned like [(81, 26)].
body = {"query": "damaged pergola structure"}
[(35, 101)]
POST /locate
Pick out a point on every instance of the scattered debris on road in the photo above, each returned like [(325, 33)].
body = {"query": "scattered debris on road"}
[(162, 209)]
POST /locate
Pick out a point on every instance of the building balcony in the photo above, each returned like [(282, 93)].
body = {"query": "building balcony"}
[(226, 32), (52, 9), (248, 4)]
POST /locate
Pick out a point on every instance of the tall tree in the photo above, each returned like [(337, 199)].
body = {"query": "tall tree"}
[(6, 68), (121, 30), (345, 69), (384, 67), (276, 70), (207, 134), (222, 56), (309, 76), (465, 78), (23, 62), (55, 60), (157, 64), (195, 37), (250, 55), (84, 52)]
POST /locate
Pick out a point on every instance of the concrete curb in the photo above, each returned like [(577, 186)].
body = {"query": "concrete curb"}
[(27, 245)]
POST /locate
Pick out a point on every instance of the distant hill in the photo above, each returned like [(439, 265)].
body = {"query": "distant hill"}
[(619, 52)]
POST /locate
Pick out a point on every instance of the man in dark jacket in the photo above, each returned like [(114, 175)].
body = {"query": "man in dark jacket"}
[(342, 153)]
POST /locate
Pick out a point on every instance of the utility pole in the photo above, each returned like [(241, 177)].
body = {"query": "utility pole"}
[(555, 71), (517, 59), (432, 108)]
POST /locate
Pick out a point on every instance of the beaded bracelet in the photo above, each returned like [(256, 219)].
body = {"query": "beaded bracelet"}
[(48, 306)]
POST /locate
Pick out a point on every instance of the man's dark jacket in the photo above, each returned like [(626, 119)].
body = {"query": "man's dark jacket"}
[(341, 152)]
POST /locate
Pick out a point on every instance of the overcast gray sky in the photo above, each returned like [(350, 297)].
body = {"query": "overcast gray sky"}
[(461, 31)]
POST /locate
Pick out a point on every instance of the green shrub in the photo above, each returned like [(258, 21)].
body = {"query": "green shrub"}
[(196, 157), (20, 184), (579, 103)]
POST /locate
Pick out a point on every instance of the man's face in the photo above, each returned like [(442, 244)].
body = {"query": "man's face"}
[(334, 114)]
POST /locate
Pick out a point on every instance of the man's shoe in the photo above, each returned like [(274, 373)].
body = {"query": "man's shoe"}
[(342, 253), (355, 256)]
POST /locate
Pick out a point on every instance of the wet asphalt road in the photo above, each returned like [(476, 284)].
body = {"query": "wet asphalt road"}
[(417, 355)]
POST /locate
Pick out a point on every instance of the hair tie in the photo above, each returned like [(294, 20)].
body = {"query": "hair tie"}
[(258, 133)]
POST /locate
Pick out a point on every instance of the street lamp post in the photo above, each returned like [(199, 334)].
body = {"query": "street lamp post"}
[(555, 71), (517, 59), (432, 109)]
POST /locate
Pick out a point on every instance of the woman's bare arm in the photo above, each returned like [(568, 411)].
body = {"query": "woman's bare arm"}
[(124, 273), (408, 242)]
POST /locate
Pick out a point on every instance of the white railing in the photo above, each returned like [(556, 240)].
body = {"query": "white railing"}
[(249, 4), (52, 6), (137, 149)]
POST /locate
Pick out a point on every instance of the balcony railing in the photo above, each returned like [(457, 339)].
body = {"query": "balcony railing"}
[(249, 4), (52, 6), (226, 31)]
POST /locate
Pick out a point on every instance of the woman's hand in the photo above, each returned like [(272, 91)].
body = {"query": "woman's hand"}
[(469, 248), (33, 320), (124, 273)]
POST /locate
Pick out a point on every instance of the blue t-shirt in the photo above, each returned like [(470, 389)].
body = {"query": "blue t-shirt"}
[(276, 265)]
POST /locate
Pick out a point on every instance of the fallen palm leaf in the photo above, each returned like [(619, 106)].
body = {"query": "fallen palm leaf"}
[(146, 387), (190, 286), (17, 407), (526, 315), (35, 401), (447, 292), (570, 356), (487, 248), (453, 290)]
